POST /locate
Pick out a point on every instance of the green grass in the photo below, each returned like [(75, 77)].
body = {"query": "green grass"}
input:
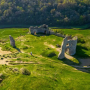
[(47, 72), (83, 46)]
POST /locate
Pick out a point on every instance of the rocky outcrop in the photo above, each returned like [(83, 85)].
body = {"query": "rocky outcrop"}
[(12, 41)]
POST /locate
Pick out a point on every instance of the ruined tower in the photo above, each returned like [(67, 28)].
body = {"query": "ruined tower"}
[(69, 46), (12, 41)]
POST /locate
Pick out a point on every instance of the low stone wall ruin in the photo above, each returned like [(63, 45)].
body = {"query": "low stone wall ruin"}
[(42, 29)]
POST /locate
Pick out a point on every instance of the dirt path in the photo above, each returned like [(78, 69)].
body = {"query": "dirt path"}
[(4, 52), (4, 61), (84, 62), (45, 43)]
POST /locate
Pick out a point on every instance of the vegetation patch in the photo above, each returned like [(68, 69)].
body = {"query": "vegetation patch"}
[(42, 69), (24, 71), (81, 38), (49, 53)]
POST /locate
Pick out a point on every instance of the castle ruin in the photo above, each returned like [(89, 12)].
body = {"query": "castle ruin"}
[(42, 29), (69, 46), (12, 41)]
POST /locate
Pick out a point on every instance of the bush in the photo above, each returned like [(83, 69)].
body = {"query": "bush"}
[(25, 47), (24, 71), (58, 45), (18, 58), (2, 76), (16, 70), (49, 53)]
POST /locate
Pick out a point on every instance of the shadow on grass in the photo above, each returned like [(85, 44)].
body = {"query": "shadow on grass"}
[(40, 34), (17, 49), (80, 54), (75, 65)]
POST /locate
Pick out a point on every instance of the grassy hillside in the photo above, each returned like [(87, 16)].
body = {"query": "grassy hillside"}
[(83, 46), (47, 72)]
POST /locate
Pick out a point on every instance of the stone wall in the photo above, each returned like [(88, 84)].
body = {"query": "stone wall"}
[(12, 41), (42, 29), (69, 46)]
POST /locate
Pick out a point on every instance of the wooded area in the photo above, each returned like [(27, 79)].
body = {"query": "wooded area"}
[(51, 12)]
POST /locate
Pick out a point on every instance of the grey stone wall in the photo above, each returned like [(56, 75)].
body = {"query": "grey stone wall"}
[(12, 41), (68, 46), (42, 29)]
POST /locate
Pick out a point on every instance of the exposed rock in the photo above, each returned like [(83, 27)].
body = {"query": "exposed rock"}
[(12, 41)]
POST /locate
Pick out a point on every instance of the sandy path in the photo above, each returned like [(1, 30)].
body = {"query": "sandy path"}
[(3, 62), (84, 62), (4, 52)]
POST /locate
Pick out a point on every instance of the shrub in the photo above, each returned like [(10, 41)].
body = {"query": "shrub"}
[(49, 53), (16, 70), (24, 71), (25, 47), (2, 76), (58, 45), (18, 58), (1, 58)]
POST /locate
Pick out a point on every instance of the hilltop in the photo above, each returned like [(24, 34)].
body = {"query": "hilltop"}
[(45, 71)]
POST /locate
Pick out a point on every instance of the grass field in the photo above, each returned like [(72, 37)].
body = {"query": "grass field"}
[(47, 72)]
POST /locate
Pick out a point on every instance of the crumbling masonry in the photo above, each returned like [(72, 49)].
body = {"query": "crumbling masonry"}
[(42, 29), (12, 41), (69, 46)]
